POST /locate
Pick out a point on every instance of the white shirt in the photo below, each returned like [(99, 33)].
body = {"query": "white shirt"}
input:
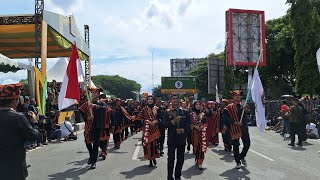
[(64, 130), (313, 128)]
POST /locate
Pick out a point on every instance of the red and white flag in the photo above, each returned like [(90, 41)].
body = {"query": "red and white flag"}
[(70, 92)]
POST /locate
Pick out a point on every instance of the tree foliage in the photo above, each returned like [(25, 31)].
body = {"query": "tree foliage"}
[(117, 85), (305, 21), (279, 74), (156, 91)]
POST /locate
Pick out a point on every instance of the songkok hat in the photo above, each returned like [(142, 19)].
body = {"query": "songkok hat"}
[(95, 89), (236, 92), (224, 100), (10, 91)]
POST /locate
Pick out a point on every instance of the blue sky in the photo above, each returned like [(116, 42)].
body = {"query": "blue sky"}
[(125, 33)]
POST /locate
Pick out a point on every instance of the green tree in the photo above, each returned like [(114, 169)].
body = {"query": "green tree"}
[(200, 72), (279, 74), (304, 18), (118, 86), (156, 91)]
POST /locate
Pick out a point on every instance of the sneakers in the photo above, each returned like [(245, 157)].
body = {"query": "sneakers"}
[(299, 144), (244, 162), (150, 163), (291, 144), (238, 166), (93, 166)]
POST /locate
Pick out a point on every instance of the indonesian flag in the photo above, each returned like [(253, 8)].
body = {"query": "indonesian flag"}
[(257, 93), (70, 92)]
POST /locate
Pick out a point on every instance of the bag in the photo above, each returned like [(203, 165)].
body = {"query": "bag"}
[(71, 136)]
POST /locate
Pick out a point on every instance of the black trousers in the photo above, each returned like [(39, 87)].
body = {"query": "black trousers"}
[(246, 145), (188, 133), (117, 138), (226, 140), (162, 137), (94, 148), (296, 128), (172, 148)]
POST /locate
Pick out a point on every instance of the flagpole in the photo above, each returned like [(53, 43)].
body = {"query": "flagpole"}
[(246, 101)]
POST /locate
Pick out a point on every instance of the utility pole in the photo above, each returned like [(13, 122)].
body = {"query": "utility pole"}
[(152, 72)]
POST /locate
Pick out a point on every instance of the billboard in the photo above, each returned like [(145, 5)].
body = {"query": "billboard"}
[(182, 67), (245, 37), (215, 75)]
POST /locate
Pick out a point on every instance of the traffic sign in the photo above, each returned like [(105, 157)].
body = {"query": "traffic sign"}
[(178, 85)]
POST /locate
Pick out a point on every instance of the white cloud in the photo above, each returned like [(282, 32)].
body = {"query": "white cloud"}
[(64, 6), (11, 78), (124, 29), (139, 70)]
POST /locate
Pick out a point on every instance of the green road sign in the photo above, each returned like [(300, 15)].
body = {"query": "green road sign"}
[(178, 85)]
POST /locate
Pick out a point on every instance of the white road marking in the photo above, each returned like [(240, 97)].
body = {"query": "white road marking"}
[(266, 157), (136, 152)]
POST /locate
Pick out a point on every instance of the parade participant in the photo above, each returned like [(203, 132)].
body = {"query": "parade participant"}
[(177, 124), (190, 103), (162, 129), (199, 136), (14, 131), (97, 121), (136, 124), (224, 127), (150, 132), (125, 126), (130, 110), (296, 122), (213, 123), (185, 110), (118, 115), (238, 129)]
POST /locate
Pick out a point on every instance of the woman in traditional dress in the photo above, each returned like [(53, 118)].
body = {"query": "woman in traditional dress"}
[(198, 127), (213, 123), (151, 133)]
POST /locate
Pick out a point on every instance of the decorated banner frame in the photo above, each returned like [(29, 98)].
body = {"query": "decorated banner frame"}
[(178, 85), (245, 33)]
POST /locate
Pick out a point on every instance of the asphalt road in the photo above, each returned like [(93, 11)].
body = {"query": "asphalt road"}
[(269, 158)]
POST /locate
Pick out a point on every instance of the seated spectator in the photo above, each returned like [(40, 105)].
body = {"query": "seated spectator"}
[(312, 131), (67, 129), (52, 128), (41, 128), (24, 107), (32, 106)]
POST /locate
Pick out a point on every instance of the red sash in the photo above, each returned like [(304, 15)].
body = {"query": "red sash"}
[(235, 130)]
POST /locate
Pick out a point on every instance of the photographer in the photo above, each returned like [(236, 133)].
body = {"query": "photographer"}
[(52, 128), (67, 130), (14, 131)]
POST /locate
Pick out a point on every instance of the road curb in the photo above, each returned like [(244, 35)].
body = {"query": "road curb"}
[(79, 127)]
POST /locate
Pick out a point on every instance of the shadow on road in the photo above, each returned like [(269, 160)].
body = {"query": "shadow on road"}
[(236, 174), (192, 171), (188, 155), (73, 174), (307, 144), (227, 156), (298, 148), (83, 152), (138, 171), (79, 163), (114, 151)]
